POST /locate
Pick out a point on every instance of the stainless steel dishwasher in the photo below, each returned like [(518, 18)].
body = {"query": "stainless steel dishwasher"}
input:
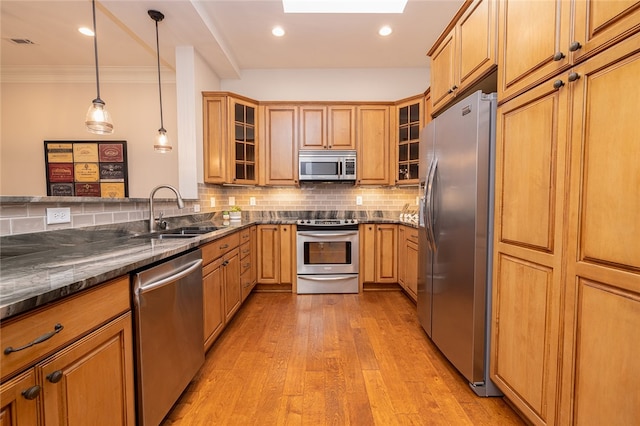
[(168, 333)]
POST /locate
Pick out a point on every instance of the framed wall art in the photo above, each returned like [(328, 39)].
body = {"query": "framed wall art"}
[(86, 168)]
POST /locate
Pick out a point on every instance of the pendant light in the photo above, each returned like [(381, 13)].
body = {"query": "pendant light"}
[(162, 143), (98, 119)]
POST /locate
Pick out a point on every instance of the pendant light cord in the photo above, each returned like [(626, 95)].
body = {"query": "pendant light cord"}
[(95, 49), (159, 82)]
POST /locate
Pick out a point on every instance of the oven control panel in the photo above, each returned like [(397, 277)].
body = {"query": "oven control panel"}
[(327, 222)]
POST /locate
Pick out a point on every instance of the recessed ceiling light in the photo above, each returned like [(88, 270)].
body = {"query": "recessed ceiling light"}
[(344, 6), (86, 31), (277, 31), (385, 31)]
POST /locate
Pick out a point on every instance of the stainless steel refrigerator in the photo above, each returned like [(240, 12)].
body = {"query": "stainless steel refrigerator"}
[(455, 235)]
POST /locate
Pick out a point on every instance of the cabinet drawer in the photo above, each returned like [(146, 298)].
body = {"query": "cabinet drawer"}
[(246, 283), (78, 315), (245, 250), (217, 248), (245, 235), (245, 264)]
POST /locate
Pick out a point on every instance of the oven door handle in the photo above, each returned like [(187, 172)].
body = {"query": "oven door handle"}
[(337, 234), (317, 278)]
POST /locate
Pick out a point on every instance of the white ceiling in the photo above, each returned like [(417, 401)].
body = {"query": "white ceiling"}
[(230, 35)]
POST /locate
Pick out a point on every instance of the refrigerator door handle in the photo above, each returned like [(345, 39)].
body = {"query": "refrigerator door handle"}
[(429, 205)]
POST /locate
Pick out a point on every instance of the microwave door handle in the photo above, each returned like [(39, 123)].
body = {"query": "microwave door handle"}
[(340, 168)]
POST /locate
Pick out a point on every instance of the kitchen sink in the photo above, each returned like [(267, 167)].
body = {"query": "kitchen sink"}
[(184, 232)]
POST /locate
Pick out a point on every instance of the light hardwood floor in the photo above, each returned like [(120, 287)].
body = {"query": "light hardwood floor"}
[(355, 359)]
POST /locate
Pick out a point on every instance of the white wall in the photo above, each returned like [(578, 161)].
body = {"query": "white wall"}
[(33, 112), (384, 84)]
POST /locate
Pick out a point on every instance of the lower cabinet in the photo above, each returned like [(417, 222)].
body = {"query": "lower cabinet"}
[(221, 290), (80, 380), (379, 253), (247, 261), (408, 260), (276, 251)]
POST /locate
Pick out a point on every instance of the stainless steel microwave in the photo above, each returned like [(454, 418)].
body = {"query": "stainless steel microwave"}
[(327, 165)]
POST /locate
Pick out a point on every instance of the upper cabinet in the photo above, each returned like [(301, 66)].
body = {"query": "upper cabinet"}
[(327, 127), (373, 147), (230, 139), (409, 115), (465, 53), (528, 58), (281, 145)]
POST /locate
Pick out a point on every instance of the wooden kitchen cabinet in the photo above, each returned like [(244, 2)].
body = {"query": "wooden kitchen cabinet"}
[(83, 374), (373, 147), (465, 53), (230, 132), (408, 260), (327, 127), (528, 58), (409, 122), (276, 257), (247, 260), (379, 253), (281, 145), (566, 287), (221, 291)]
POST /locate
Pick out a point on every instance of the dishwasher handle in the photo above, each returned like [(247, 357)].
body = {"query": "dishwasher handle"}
[(188, 268)]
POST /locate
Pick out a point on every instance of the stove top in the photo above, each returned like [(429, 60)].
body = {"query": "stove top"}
[(327, 222)]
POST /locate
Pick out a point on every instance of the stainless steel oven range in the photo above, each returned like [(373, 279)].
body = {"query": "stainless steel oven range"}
[(327, 252)]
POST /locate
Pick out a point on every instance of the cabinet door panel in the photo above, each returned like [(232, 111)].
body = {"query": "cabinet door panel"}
[(232, 287), (530, 152), (373, 145), (287, 248), (477, 34), (215, 139), (313, 133), (526, 51), (525, 335), (269, 254), (387, 251), (282, 145), (599, 24), (212, 296), (341, 132), (15, 409), (98, 368), (443, 71)]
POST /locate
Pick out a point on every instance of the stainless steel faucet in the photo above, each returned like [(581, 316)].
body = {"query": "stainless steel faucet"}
[(152, 219)]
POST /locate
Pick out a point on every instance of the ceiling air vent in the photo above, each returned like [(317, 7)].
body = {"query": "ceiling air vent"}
[(21, 41)]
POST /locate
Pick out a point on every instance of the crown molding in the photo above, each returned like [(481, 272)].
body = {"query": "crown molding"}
[(85, 74)]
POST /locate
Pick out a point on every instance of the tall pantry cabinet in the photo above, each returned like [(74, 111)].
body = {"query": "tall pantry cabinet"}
[(566, 289)]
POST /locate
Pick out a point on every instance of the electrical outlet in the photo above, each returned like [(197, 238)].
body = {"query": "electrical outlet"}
[(196, 208), (58, 215), (417, 200), (359, 200), (212, 202), (232, 201), (252, 201)]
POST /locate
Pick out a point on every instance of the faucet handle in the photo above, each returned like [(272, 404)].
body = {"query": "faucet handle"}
[(162, 224)]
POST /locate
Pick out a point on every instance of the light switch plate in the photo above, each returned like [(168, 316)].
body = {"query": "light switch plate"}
[(232, 201), (252, 201), (359, 200), (58, 215), (196, 208), (212, 202)]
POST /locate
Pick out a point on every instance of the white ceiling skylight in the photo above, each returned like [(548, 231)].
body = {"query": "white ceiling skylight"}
[(344, 6)]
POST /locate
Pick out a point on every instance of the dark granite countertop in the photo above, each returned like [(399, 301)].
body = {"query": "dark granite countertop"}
[(36, 269)]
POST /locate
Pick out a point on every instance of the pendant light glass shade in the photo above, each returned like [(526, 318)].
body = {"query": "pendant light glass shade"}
[(98, 119), (162, 144)]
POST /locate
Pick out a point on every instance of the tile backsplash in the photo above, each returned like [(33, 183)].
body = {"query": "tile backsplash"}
[(21, 217)]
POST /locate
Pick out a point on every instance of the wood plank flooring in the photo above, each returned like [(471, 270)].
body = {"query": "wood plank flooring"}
[(354, 359)]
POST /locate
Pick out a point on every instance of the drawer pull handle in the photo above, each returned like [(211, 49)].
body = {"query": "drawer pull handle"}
[(224, 246), (55, 376), (31, 393), (56, 329)]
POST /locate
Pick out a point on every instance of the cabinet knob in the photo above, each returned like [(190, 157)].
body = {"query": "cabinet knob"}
[(573, 76), (225, 263), (575, 46), (55, 376), (31, 393), (558, 56), (558, 84)]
